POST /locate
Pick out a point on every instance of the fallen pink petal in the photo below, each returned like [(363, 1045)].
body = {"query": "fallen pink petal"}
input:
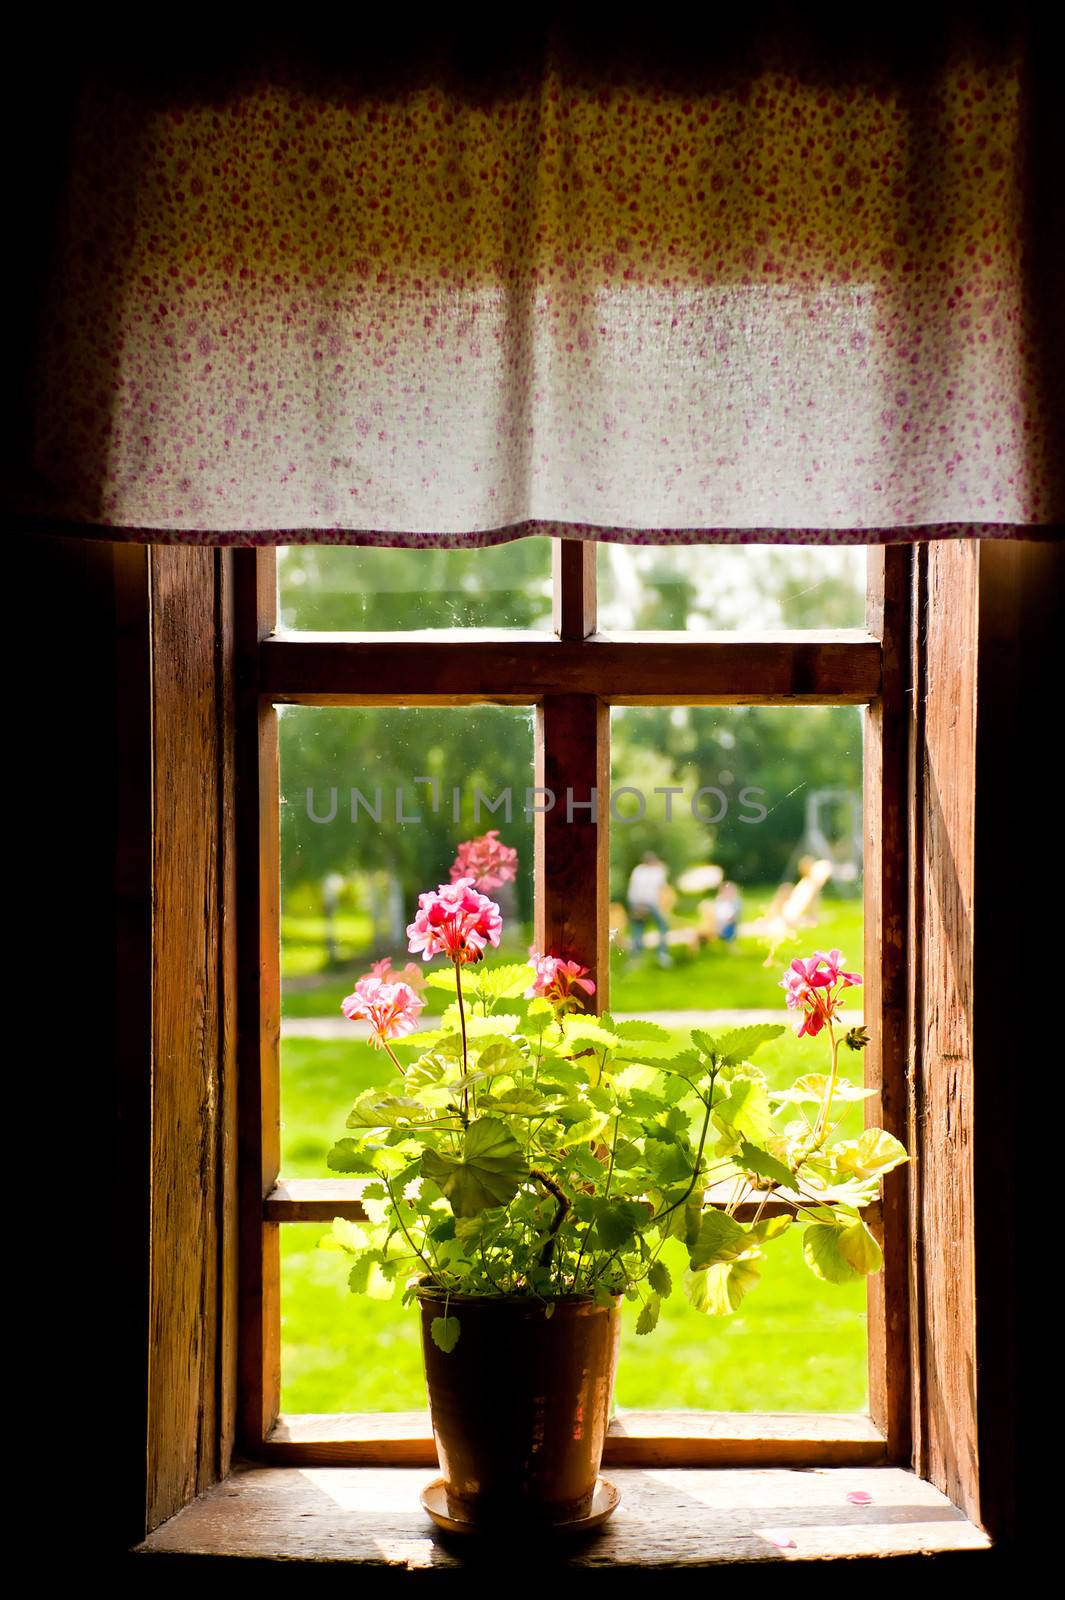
[(860, 1497), (781, 1539)]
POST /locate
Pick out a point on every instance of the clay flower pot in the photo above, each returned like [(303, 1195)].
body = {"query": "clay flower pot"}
[(520, 1406)]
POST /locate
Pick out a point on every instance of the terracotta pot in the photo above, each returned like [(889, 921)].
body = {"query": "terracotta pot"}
[(520, 1406)]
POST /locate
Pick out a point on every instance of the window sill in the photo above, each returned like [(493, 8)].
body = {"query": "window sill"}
[(635, 1439), (668, 1517)]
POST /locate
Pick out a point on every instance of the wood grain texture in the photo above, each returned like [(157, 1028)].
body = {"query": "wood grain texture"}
[(572, 867), (573, 585), (886, 968), (635, 1438), (946, 1123), (641, 669), (183, 1420), (258, 1002), (668, 1519), (228, 967)]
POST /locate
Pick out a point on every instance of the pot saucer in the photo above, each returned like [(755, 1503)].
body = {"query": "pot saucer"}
[(605, 1501)]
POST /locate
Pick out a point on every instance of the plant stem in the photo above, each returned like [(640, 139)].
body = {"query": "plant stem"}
[(563, 1206), (606, 1196), (685, 1197), (400, 1068), (465, 1062), (403, 1228), (826, 1108)]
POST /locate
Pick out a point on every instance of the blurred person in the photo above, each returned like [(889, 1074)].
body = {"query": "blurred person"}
[(647, 884), (727, 908)]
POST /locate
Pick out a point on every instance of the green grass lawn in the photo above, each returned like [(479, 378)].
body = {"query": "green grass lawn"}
[(796, 1343), (721, 976)]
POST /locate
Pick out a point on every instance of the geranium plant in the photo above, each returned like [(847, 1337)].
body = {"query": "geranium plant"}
[(527, 1148)]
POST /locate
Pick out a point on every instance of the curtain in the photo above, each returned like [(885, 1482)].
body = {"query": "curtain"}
[(757, 295)]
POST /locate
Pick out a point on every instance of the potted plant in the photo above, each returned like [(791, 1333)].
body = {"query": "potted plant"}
[(529, 1163)]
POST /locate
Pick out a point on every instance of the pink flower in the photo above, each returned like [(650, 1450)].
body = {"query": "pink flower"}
[(486, 860), (834, 965), (454, 920), (411, 973), (814, 985), (391, 1009), (555, 979)]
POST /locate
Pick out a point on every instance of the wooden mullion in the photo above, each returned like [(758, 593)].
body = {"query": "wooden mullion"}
[(259, 1003), (797, 669), (228, 969), (318, 1200), (887, 968), (571, 873), (915, 1043), (574, 587)]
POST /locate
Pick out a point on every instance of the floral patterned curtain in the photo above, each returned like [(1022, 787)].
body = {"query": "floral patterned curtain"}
[(735, 300)]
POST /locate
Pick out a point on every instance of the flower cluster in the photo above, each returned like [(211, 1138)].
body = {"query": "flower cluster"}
[(454, 920), (391, 1009), (556, 980), (815, 986), (410, 974), (487, 861)]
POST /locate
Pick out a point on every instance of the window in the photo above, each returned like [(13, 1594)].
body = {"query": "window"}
[(558, 702)]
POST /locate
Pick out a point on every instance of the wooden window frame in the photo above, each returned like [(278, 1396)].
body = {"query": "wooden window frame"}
[(572, 677)]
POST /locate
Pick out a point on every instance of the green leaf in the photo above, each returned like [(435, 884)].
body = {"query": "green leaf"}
[(494, 1027), (489, 1172), (769, 1228), (582, 1122), (719, 1289), (647, 1321), (348, 1156), (373, 1110), (523, 1102), (704, 1042), (502, 1055), (859, 1249), (720, 1238), (745, 1109), (753, 1159), (445, 1333), (811, 1088), (441, 978), (618, 1222), (821, 1247), (668, 1162), (739, 1044), (581, 1030), (872, 1154), (659, 1279), (507, 982), (345, 1235), (640, 1030)]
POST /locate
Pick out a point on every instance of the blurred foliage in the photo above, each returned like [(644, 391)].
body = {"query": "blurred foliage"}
[(783, 752)]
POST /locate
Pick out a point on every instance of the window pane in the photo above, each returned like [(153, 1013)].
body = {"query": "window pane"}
[(753, 858), (338, 588), (349, 888), (375, 802), (749, 587)]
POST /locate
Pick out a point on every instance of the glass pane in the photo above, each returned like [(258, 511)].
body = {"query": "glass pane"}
[(749, 587), (337, 588), (736, 844), (339, 1351), (352, 868)]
